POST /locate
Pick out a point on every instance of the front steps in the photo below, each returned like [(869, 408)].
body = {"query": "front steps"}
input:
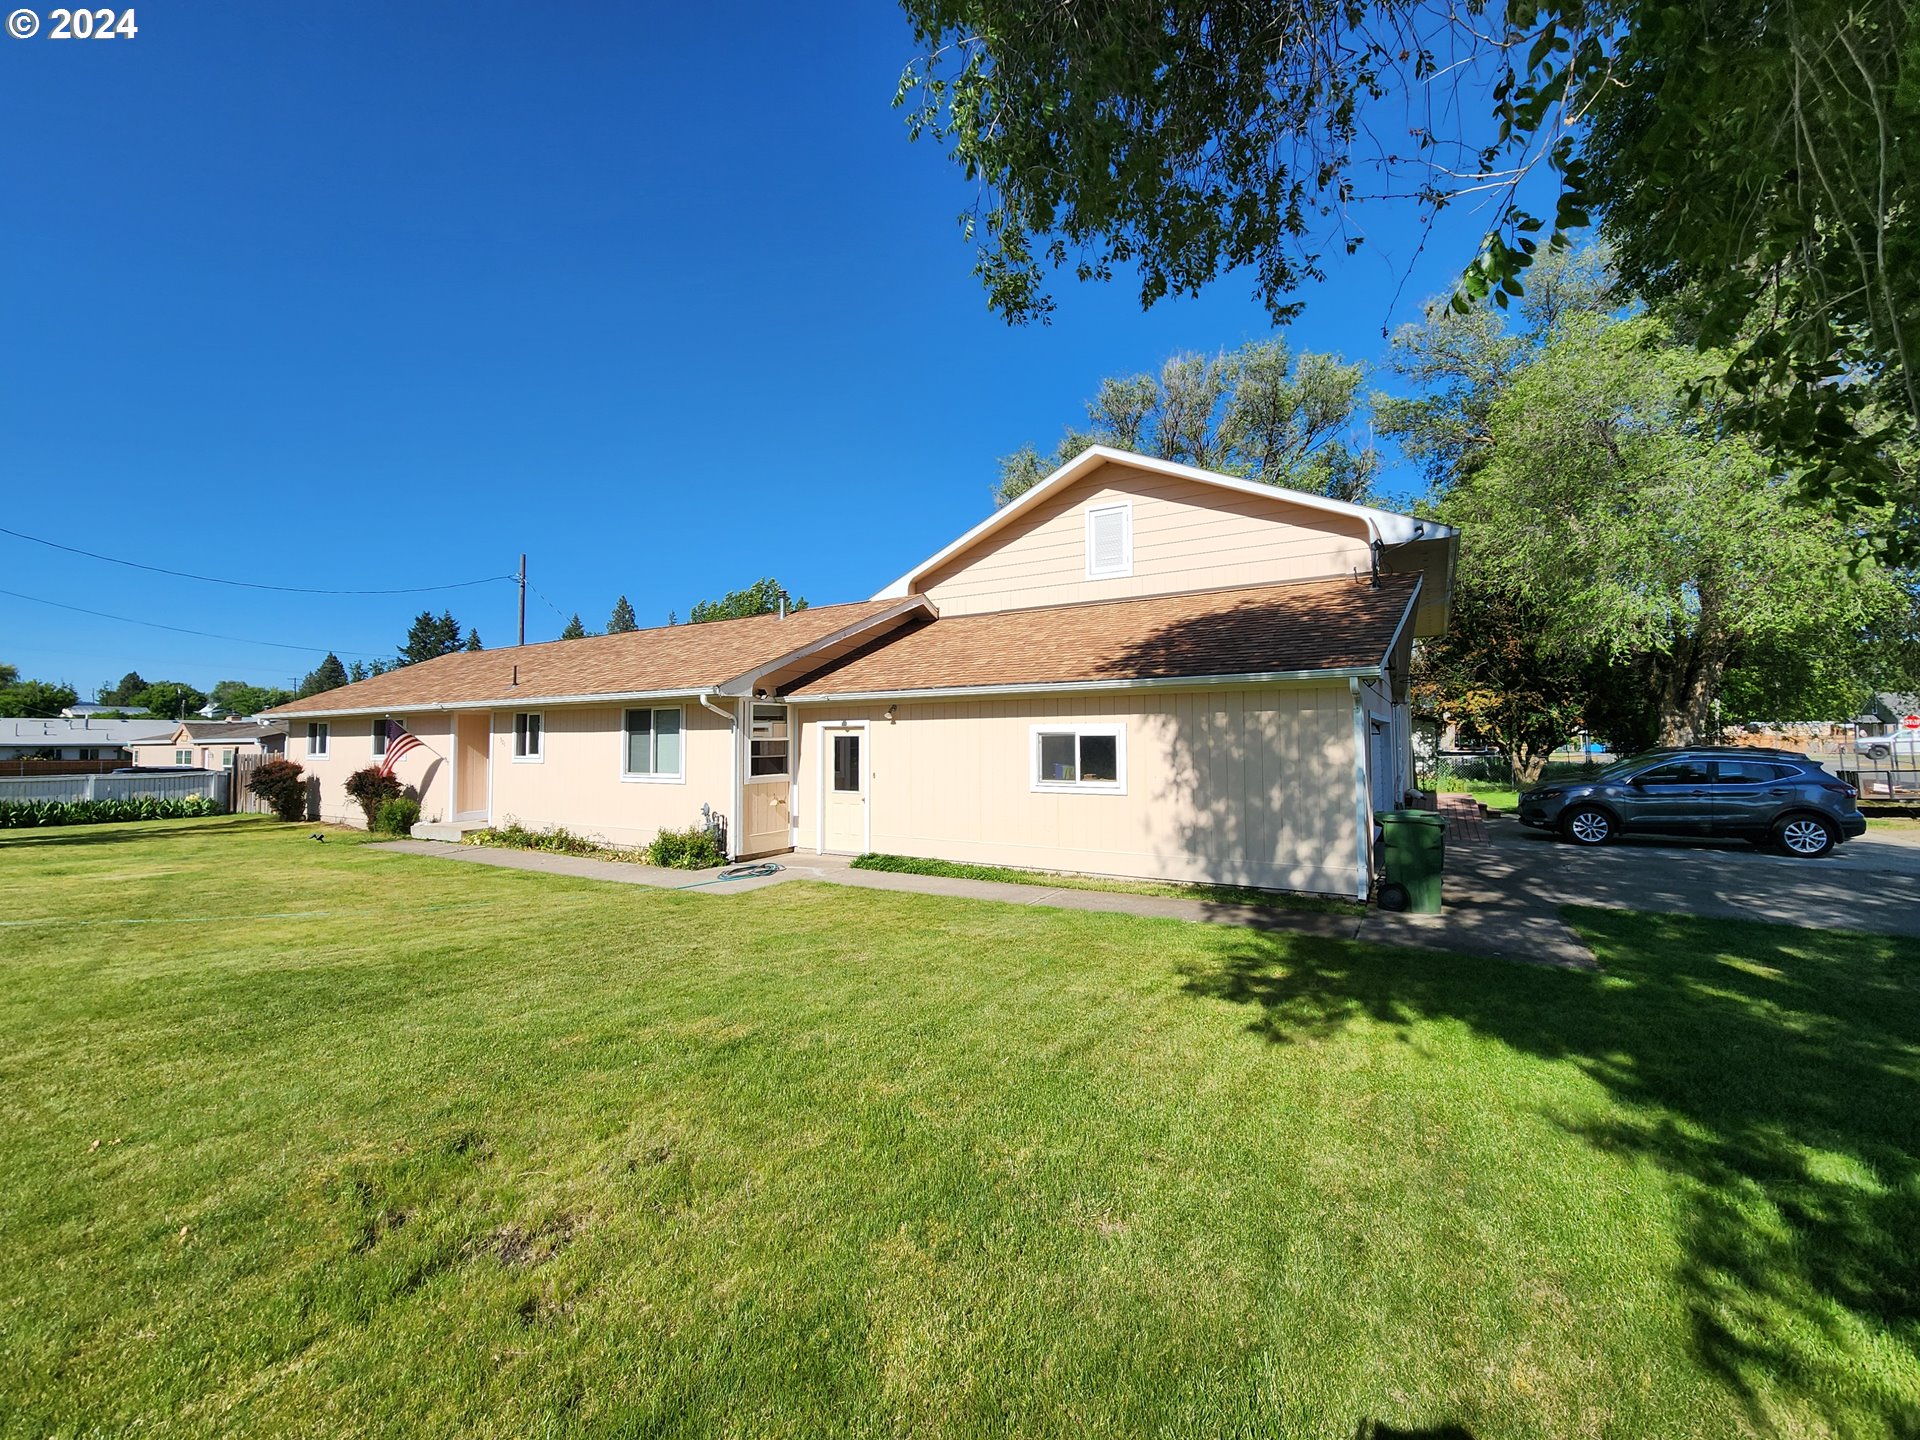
[(453, 830)]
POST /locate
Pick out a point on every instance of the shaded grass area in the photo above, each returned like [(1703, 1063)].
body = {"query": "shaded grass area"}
[(1054, 880), (390, 1146)]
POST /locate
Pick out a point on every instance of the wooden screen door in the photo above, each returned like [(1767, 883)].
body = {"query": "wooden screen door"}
[(843, 806), (473, 737)]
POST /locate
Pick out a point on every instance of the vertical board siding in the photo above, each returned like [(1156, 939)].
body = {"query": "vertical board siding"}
[(1248, 786), (1186, 536), (577, 783)]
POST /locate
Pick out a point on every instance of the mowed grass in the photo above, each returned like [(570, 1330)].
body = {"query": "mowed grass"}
[(318, 1139)]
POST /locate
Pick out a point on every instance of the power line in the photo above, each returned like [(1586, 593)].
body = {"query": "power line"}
[(564, 617), (242, 584), (182, 630)]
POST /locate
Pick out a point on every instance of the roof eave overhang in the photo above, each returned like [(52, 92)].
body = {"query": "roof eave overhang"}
[(1079, 687), (743, 683)]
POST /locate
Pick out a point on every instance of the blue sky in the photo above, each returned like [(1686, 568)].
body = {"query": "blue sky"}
[(363, 296)]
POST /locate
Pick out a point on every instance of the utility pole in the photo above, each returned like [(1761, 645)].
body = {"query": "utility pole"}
[(523, 598)]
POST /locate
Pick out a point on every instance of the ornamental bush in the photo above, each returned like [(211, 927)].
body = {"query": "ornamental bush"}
[(397, 815), (27, 814), (283, 785), (694, 848), (372, 789)]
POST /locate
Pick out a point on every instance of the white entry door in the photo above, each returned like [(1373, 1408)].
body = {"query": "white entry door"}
[(843, 780)]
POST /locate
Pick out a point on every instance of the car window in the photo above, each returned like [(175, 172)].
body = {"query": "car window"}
[(1751, 772), (1679, 772)]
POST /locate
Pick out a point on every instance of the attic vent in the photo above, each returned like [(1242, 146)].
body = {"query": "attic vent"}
[(1109, 541)]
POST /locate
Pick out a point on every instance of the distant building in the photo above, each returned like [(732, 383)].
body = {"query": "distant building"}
[(82, 737), (211, 744)]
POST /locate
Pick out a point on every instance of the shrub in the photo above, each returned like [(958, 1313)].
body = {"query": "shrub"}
[(691, 849), (557, 841), (282, 785), (371, 788), (27, 814), (397, 815)]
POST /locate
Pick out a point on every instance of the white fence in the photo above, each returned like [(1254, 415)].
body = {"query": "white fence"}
[(160, 785)]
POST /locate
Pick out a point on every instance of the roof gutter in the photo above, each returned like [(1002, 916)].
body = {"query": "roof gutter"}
[(1077, 687)]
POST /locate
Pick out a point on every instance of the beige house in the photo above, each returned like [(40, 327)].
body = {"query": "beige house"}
[(210, 744), (1136, 669)]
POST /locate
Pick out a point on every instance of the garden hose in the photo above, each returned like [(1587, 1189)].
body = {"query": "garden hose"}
[(736, 872)]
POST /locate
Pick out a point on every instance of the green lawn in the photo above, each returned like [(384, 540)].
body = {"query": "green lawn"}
[(1056, 880), (320, 1139)]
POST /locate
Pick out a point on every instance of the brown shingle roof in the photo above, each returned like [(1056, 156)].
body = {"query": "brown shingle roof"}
[(679, 657), (1260, 629)]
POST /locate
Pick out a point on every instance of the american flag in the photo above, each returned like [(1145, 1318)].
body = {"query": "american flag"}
[(399, 742)]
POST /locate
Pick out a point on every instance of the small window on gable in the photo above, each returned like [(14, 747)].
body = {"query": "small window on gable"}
[(1109, 541)]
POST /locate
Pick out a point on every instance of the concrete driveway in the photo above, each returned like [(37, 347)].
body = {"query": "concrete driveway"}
[(1504, 897)]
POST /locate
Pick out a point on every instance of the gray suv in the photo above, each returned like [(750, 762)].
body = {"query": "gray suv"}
[(1760, 795)]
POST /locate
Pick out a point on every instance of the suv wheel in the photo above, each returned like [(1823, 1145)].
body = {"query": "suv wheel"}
[(1587, 825), (1806, 836)]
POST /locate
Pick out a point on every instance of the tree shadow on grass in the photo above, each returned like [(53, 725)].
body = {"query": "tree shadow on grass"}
[(1773, 1072), (125, 832)]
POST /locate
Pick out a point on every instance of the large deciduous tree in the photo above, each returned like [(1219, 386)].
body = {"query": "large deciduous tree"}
[(174, 699), (1259, 411), (32, 699), (1640, 532), (760, 598), (1496, 676), (1752, 166)]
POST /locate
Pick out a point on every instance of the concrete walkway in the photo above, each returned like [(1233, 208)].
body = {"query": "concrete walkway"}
[(1478, 920)]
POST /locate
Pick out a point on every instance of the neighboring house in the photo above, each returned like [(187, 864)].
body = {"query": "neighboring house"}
[(76, 738), (1136, 669), (212, 744)]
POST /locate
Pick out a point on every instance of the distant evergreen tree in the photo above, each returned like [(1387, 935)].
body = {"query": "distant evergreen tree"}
[(473, 641), (122, 694), (430, 637), (329, 674), (357, 671), (622, 619), (575, 630)]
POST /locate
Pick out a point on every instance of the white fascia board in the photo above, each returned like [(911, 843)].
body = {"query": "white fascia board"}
[(1388, 526), (743, 683), (1406, 618), (1079, 687)]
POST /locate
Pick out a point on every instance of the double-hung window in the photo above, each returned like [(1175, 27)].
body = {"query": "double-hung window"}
[(654, 745), (317, 740), (380, 739), (1080, 759), (183, 757), (767, 745), (529, 737)]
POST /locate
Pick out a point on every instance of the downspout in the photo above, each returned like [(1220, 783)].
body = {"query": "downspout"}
[(732, 718), (1362, 800)]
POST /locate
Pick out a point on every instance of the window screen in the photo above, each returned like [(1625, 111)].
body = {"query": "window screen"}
[(767, 745), (1092, 758), (653, 742)]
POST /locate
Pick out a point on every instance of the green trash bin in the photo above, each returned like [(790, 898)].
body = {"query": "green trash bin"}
[(1413, 851)]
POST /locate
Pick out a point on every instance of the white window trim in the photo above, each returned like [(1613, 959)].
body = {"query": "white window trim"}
[(1125, 508), (379, 738), (539, 756), (319, 740), (626, 775), (1076, 787)]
